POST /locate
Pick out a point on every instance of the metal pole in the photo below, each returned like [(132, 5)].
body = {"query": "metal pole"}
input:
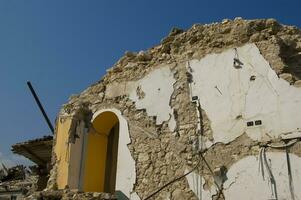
[(40, 106)]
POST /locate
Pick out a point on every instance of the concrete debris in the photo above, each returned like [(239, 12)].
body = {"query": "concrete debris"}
[(69, 195), (298, 84), (14, 173), (144, 56), (286, 76), (17, 182)]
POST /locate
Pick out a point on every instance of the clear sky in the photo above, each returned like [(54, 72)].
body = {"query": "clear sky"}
[(63, 46)]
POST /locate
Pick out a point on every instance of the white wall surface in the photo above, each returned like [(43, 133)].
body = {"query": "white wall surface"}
[(245, 180), (231, 99), (158, 88)]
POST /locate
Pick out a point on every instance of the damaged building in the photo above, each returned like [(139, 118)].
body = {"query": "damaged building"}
[(39, 152), (213, 112), (16, 182)]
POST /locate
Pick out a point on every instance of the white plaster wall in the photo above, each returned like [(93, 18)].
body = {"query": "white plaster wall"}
[(196, 182), (245, 180), (230, 99), (158, 88), (126, 169)]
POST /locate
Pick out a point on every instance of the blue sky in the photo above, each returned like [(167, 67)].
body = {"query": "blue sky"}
[(63, 46)]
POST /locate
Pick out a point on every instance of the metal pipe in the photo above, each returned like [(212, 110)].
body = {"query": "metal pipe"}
[(40, 106)]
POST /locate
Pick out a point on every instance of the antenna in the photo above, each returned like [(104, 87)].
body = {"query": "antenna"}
[(40, 106)]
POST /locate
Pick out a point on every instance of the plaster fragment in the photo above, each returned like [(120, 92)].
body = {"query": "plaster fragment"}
[(158, 88), (226, 92)]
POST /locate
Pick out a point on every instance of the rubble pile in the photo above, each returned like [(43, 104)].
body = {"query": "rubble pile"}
[(13, 173), (16, 181), (68, 194), (21, 183)]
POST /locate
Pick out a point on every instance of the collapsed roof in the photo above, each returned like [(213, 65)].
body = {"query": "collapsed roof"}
[(37, 150)]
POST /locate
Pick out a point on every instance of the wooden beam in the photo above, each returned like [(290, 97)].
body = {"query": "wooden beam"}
[(40, 160)]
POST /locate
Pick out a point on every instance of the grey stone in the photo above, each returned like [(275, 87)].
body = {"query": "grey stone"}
[(298, 84), (286, 76)]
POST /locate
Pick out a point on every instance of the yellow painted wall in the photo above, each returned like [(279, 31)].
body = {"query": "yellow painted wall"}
[(96, 152), (104, 122), (62, 152), (95, 163)]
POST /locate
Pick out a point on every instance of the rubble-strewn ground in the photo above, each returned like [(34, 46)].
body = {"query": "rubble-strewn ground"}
[(68, 194), (16, 181), (19, 182)]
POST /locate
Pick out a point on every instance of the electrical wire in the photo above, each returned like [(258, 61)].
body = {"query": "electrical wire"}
[(170, 182), (289, 171), (271, 176), (286, 147), (290, 143), (220, 192)]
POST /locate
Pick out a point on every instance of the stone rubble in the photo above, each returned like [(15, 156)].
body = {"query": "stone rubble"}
[(69, 194), (16, 180)]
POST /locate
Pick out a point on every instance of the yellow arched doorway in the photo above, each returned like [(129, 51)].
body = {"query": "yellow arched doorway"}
[(101, 149)]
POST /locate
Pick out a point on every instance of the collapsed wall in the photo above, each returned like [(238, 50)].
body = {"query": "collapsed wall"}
[(213, 112)]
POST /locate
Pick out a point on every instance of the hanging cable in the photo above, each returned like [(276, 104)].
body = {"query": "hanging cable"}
[(220, 192), (288, 144), (174, 180), (289, 171), (200, 153), (286, 147), (271, 176)]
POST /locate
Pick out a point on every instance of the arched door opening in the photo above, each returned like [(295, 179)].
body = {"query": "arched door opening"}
[(101, 150)]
